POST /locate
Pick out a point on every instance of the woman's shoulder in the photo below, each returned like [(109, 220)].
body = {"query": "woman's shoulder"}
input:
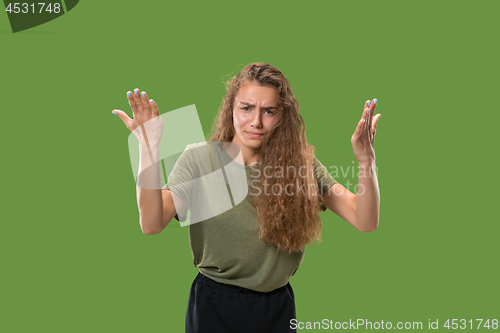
[(197, 155), (196, 145), (204, 145)]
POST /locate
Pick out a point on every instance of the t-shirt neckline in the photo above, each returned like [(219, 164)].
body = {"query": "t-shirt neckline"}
[(229, 159)]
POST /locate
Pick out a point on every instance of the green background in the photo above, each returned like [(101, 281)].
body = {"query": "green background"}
[(74, 258)]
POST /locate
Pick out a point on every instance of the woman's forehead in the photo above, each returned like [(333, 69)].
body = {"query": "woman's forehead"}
[(252, 93)]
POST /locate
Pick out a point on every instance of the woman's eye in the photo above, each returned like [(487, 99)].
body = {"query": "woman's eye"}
[(270, 112), (246, 108)]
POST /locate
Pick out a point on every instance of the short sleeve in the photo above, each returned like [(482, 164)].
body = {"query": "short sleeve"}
[(324, 179), (179, 181), (180, 216)]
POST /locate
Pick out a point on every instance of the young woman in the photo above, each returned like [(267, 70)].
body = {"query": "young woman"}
[(246, 254)]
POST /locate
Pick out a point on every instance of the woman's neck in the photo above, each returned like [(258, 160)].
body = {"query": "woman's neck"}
[(250, 155)]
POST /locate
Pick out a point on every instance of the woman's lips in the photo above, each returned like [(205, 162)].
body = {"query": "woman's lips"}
[(254, 135)]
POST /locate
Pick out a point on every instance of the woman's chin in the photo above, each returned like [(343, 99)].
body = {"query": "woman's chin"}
[(254, 144)]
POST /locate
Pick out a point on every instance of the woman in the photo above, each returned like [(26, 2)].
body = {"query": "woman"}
[(246, 255)]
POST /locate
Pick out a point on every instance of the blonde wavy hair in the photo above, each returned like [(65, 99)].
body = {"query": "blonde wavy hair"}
[(288, 222)]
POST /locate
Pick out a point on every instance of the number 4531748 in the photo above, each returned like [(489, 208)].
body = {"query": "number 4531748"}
[(25, 8), (463, 323)]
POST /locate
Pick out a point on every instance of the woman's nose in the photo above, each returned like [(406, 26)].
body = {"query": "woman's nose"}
[(257, 121)]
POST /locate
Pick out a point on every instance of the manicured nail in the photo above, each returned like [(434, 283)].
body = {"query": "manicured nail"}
[(151, 101), (375, 101), (368, 111), (369, 102), (114, 112), (136, 91), (142, 94), (363, 121), (129, 94)]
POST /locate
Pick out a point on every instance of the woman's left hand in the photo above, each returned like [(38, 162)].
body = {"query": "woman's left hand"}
[(364, 136)]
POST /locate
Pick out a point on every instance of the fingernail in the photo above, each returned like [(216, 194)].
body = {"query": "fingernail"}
[(375, 101), (142, 94), (129, 94), (114, 112), (363, 121), (136, 91), (151, 101), (369, 102), (368, 111)]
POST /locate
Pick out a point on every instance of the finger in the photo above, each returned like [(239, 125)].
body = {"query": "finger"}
[(367, 103), (145, 102), (138, 101), (367, 107), (364, 119), (368, 115), (359, 129), (133, 106), (125, 118), (373, 105), (363, 115), (154, 108), (375, 123)]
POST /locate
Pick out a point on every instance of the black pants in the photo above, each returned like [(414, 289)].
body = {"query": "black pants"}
[(215, 307)]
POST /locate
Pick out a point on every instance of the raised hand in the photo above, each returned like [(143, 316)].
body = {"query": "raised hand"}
[(147, 124), (363, 139)]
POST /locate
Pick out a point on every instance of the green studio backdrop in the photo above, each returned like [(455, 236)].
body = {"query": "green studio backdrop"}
[(74, 258)]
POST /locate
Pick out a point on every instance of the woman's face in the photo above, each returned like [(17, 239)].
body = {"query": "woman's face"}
[(254, 114)]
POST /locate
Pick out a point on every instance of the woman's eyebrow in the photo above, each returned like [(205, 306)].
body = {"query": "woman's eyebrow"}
[(267, 107)]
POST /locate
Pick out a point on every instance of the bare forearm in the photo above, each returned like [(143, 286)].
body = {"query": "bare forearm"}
[(149, 196), (368, 197)]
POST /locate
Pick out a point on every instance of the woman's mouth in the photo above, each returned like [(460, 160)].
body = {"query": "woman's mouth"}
[(254, 134)]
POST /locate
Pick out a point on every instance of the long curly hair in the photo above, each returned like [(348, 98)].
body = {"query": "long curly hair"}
[(287, 218)]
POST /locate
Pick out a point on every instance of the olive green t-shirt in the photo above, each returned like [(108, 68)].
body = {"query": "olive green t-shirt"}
[(226, 246)]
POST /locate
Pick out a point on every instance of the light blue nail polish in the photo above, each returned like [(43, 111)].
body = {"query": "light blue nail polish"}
[(363, 121), (114, 112), (136, 91), (369, 102), (151, 102), (375, 101), (368, 111), (142, 94), (129, 94)]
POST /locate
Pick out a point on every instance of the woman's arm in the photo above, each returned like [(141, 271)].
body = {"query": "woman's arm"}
[(156, 209), (149, 192), (156, 206), (360, 210), (367, 201)]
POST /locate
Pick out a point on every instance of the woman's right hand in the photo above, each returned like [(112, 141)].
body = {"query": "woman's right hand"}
[(147, 124)]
